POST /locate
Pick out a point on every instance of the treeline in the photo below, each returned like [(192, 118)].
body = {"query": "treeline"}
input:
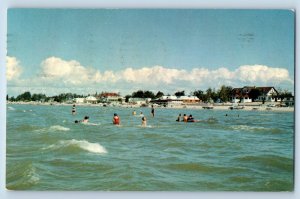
[(27, 97), (210, 95), (223, 94)]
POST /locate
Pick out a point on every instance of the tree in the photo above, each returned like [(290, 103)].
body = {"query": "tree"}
[(159, 94), (200, 95), (179, 93), (26, 96), (127, 98), (149, 94), (255, 93), (138, 94), (225, 93)]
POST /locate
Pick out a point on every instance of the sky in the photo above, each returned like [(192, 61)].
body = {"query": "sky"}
[(54, 51)]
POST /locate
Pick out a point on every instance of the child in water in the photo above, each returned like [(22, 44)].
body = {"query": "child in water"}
[(144, 121)]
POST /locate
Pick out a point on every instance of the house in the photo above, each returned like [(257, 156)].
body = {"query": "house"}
[(79, 100), (289, 101), (91, 100), (254, 94), (111, 97), (138, 101), (174, 100), (189, 99)]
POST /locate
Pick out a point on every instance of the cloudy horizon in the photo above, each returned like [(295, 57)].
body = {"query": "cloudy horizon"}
[(56, 75)]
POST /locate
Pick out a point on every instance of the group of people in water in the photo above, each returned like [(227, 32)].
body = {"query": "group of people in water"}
[(117, 121), (185, 118)]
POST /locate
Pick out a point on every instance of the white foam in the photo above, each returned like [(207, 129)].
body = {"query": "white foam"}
[(83, 144), (247, 128), (58, 128), (11, 108)]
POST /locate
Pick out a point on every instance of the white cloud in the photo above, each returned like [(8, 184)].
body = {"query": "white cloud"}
[(61, 74), (13, 68)]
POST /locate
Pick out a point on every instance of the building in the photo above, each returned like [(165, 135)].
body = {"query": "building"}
[(111, 98), (91, 100), (254, 94), (174, 100), (79, 100), (138, 101)]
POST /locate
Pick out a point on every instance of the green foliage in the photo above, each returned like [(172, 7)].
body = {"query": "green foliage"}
[(26, 96), (143, 94), (159, 94), (179, 93)]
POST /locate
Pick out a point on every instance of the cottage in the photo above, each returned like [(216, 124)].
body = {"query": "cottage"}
[(111, 97), (254, 94), (91, 100)]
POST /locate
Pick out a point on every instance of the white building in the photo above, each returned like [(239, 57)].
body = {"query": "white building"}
[(91, 100), (79, 100), (139, 101)]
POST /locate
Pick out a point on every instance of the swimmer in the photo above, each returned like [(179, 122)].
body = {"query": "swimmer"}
[(144, 121), (73, 110), (152, 111), (76, 121), (85, 119), (185, 118), (141, 114), (133, 112), (116, 119), (178, 118), (190, 119)]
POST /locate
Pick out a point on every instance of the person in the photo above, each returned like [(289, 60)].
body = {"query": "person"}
[(116, 119), (133, 113), (190, 119), (152, 111), (178, 118), (144, 121), (85, 119), (76, 121), (185, 118), (141, 114), (73, 110)]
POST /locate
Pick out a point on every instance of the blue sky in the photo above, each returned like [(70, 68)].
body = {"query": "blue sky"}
[(59, 50)]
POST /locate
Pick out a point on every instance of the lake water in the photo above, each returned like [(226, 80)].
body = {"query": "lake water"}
[(244, 151)]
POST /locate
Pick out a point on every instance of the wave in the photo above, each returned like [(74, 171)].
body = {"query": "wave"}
[(269, 161), (58, 128), (254, 128), (11, 108), (82, 144), (22, 176)]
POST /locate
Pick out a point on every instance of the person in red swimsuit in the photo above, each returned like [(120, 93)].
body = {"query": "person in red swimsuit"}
[(116, 119)]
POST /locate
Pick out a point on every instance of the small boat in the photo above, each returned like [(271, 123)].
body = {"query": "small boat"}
[(207, 107), (236, 107)]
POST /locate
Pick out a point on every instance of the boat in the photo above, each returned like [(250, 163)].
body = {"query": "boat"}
[(207, 107), (236, 107)]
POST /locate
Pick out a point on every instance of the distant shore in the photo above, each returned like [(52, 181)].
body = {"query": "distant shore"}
[(243, 107)]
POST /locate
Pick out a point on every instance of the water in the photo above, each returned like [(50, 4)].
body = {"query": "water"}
[(245, 151)]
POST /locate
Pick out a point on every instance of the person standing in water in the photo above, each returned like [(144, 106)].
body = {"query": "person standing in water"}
[(185, 118), (116, 119), (144, 121), (178, 118), (152, 111), (73, 110)]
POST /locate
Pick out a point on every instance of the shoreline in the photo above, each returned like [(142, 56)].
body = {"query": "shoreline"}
[(181, 106)]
